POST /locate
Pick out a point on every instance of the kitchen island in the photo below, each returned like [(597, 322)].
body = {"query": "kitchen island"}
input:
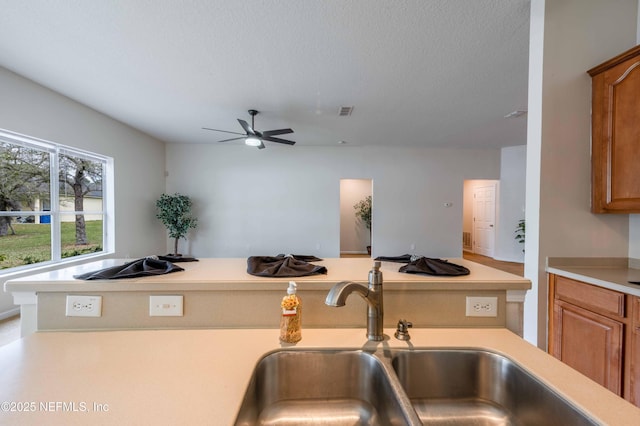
[(198, 377), (219, 293)]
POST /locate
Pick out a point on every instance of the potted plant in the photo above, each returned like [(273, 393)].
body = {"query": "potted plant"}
[(174, 211), (363, 213)]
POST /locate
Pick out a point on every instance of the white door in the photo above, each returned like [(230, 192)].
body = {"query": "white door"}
[(484, 214)]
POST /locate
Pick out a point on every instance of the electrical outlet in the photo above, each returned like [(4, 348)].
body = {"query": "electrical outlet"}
[(84, 306), (482, 306), (165, 306)]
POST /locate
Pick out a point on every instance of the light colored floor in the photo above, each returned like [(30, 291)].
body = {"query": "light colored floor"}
[(511, 267), (9, 330)]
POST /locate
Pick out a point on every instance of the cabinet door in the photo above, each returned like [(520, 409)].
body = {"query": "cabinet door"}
[(634, 363), (634, 395), (616, 138), (590, 343)]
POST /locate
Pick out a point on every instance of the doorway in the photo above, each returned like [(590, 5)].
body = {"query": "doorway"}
[(355, 237), (479, 217)]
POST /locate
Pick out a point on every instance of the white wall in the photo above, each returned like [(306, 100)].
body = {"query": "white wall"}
[(287, 199), (512, 203), (354, 235), (634, 236), (30, 109), (568, 37)]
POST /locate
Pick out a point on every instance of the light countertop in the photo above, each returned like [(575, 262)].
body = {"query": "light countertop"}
[(198, 377), (204, 281), (230, 273), (612, 273)]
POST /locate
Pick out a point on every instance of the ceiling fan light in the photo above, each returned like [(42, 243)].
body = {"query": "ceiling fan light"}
[(252, 141)]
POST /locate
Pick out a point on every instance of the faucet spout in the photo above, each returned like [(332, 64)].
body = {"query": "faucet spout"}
[(338, 294), (372, 294)]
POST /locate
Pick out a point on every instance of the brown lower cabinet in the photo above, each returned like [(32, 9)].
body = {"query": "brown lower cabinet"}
[(634, 362), (597, 332)]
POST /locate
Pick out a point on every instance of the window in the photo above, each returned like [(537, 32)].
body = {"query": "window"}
[(53, 202)]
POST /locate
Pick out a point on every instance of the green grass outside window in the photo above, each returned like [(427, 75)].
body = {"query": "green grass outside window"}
[(32, 243)]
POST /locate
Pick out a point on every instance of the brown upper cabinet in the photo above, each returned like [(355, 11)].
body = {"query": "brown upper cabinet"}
[(615, 134)]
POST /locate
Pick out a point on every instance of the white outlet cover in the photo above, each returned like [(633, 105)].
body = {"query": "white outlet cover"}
[(166, 306), (482, 306), (83, 306)]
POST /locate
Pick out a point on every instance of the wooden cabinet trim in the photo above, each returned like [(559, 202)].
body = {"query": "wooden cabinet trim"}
[(625, 56), (597, 299)]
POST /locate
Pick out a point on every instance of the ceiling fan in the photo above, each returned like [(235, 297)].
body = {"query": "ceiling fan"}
[(253, 137)]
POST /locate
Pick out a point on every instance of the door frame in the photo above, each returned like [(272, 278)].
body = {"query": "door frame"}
[(494, 184)]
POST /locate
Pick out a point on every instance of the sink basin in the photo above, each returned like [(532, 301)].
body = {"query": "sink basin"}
[(322, 387), (400, 387), (474, 387)]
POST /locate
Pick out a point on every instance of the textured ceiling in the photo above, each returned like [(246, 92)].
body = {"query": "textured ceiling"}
[(418, 72)]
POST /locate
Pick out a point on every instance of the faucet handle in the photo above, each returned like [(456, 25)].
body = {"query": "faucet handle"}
[(375, 275), (402, 330)]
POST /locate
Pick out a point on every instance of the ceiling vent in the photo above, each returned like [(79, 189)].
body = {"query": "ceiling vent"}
[(345, 111)]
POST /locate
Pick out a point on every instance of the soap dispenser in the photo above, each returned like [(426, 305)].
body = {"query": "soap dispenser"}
[(290, 321)]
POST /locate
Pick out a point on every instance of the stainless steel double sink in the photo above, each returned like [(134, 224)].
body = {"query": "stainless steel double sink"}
[(400, 387)]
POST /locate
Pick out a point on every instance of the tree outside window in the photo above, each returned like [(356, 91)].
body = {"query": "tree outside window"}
[(84, 179), (41, 221), (24, 178)]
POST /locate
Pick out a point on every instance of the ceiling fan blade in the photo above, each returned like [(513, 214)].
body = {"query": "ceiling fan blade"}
[(276, 132), (278, 140), (225, 131), (247, 128), (232, 139), (261, 146)]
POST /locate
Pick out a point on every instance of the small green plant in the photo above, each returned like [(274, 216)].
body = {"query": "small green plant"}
[(30, 260), (78, 252), (520, 232), (174, 211), (363, 212)]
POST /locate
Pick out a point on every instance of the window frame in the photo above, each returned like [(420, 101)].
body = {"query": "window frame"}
[(55, 150)]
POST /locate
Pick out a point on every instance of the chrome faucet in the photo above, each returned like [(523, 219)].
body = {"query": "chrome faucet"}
[(372, 294)]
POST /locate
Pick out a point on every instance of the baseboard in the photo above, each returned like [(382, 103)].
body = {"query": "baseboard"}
[(353, 252), (10, 313)]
